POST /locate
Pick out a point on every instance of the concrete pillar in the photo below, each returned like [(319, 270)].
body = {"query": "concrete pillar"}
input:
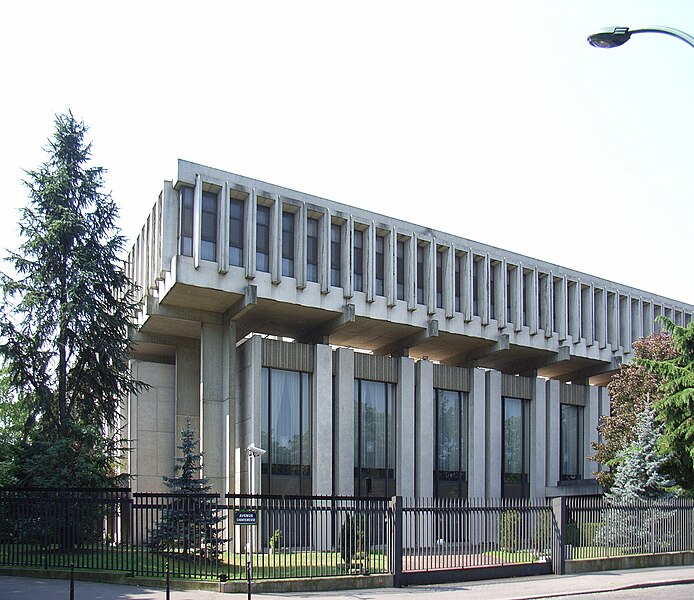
[(197, 220), (343, 424), (248, 411), (187, 389), (322, 411), (477, 424), (229, 403), (405, 429), (493, 443), (604, 411), (538, 440), (212, 430), (590, 428), (424, 429), (169, 225), (552, 425)]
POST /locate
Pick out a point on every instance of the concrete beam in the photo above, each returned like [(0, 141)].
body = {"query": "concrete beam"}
[(138, 337), (321, 334), (156, 309), (403, 344), (242, 306), (563, 355), (469, 359), (583, 375)]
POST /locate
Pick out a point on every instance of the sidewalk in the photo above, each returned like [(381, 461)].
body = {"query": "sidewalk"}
[(521, 588)]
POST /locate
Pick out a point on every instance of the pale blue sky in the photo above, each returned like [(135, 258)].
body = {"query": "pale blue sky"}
[(495, 121)]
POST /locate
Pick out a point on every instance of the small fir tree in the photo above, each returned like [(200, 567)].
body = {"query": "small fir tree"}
[(190, 526)]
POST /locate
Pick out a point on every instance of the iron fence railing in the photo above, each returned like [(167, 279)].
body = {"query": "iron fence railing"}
[(211, 536), (596, 528)]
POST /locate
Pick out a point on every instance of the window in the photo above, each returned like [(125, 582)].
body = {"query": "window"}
[(380, 265), (450, 476), (262, 239), (571, 442), (186, 226), (516, 447), (208, 233), (358, 260), (287, 244), (236, 231), (286, 432), (420, 274), (335, 255), (439, 279), (476, 280), (312, 249), (400, 270), (374, 438)]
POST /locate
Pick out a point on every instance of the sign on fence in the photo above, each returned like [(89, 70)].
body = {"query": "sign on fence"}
[(245, 517)]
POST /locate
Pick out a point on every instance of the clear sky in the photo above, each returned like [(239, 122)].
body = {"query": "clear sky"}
[(492, 120)]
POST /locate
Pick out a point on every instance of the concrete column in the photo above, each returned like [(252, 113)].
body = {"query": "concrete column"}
[(197, 219), (411, 272), (343, 482), (477, 424), (500, 294), (483, 291), (223, 229), (574, 289), (212, 430), (545, 291), (516, 292), (187, 388), (552, 425), (424, 429), (625, 322), (493, 446), (590, 428), (229, 402), (531, 300), (600, 307), (405, 429), (613, 320), (538, 440), (322, 417), (169, 224), (588, 313), (561, 298), (248, 411), (467, 282), (604, 411)]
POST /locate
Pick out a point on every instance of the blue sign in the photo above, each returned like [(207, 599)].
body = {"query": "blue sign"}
[(245, 517)]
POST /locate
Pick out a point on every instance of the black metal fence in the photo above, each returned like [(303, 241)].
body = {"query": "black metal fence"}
[(415, 540)]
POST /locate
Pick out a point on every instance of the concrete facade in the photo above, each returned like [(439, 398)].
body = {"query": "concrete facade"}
[(243, 282)]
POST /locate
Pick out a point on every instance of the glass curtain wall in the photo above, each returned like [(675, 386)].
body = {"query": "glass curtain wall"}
[(286, 432), (374, 438), (516, 448), (450, 467)]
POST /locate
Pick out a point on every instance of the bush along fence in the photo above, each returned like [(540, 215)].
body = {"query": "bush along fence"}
[(206, 536)]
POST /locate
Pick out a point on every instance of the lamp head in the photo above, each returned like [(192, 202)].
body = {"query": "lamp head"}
[(610, 37)]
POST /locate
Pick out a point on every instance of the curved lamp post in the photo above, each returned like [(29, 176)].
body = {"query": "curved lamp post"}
[(611, 37)]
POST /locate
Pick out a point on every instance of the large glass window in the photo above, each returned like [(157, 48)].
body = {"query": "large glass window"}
[(450, 468), (374, 438), (516, 447), (439, 279), (262, 239), (288, 244), (380, 265), (420, 274), (335, 255), (186, 225), (312, 249), (571, 442), (208, 233), (400, 270), (236, 231), (286, 432), (358, 260)]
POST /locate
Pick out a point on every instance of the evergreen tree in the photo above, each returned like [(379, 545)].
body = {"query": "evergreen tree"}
[(191, 524), (631, 389), (64, 317), (640, 475), (676, 406)]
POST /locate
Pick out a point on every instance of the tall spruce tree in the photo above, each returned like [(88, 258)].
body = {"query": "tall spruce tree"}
[(63, 322), (190, 526)]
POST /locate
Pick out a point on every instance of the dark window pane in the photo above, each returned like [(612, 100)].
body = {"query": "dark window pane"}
[(380, 265), (400, 270), (335, 255), (359, 260), (288, 244), (186, 237), (262, 247), (312, 249), (236, 231)]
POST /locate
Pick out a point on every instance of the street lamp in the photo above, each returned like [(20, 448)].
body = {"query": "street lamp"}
[(611, 37), (252, 452)]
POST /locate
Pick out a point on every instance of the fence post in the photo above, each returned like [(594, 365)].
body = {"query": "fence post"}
[(396, 551), (559, 547)]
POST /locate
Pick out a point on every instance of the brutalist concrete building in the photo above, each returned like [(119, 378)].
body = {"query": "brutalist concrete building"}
[(369, 356)]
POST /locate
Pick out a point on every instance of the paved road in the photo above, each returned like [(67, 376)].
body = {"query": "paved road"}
[(670, 582)]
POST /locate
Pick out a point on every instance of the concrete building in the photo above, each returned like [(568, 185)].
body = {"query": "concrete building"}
[(368, 355)]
